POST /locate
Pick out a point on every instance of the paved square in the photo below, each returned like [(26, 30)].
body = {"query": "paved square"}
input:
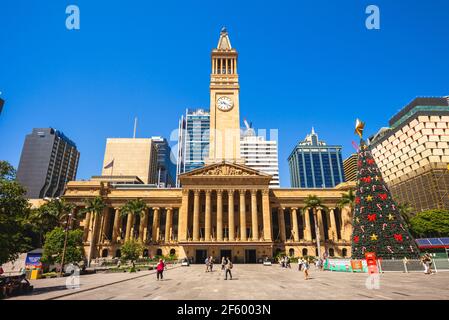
[(249, 282)]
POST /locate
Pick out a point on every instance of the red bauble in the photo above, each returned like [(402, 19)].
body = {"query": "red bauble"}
[(398, 237), (383, 196), (372, 217), (356, 239)]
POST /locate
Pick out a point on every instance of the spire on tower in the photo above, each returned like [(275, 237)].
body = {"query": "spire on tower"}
[(224, 43)]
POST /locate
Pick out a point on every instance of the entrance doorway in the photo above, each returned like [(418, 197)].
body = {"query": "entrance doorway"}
[(250, 256), (225, 253), (200, 256)]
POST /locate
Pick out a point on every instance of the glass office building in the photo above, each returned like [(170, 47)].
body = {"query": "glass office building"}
[(313, 164), (193, 141)]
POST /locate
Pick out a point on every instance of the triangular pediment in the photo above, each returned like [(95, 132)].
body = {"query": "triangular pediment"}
[(225, 169)]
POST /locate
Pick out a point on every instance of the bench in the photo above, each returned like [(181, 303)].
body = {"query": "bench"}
[(14, 285)]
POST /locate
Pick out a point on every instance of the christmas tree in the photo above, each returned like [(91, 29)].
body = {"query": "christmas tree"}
[(377, 226)]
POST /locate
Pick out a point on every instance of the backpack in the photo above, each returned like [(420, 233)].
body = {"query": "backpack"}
[(230, 265)]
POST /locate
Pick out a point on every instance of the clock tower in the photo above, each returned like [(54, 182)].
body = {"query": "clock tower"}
[(224, 103)]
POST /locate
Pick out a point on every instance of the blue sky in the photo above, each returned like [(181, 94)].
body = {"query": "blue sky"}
[(301, 64)]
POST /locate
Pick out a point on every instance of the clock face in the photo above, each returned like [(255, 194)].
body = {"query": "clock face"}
[(225, 103)]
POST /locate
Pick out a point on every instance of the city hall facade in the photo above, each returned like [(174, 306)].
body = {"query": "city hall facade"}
[(222, 209)]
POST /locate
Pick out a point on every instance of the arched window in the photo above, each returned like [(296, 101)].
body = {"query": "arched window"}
[(159, 252), (304, 252), (291, 252), (118, 253), (331, 252), (172, 252), (104, 253), (344, 252), (145, 253)]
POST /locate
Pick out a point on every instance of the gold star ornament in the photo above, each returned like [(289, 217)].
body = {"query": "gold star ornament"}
[(390, 216), (374, 237), (359, 126), (369, 198)]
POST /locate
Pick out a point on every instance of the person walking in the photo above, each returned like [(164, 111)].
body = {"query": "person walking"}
[(223, 263), (228, 268), (160, 269), (211, 263), (206, 262), (300, 263), (305, 266)]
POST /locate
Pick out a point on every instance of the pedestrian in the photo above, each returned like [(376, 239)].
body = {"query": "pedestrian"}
[(426, 260), (287, 262), (1, 270), (160, 269), (223, 263), (228, 268), (300, 263), (305, 268), (206, 262), (211, 263)]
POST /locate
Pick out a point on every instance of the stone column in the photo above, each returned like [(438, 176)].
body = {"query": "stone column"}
[(254, 223), (196, 216), (207, 218), (142, 225), (87, 226), (145, 225), (242, 193), (231, 222), (281, 223), (346, 224), (266, 212), (219, 215), (333, 225), (116, 227), (294, 219), (183, 216), (320, 224), (155, 229), (307, 226), (168, 224), (129, 224)]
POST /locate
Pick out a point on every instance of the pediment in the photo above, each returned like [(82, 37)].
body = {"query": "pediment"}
[(225, 169)]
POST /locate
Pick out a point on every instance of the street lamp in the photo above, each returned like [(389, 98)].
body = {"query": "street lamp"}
[(66, 230)]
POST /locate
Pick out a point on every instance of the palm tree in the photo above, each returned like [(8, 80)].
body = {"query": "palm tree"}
[(95, 206), (132, 208), (347, 199), (314, 203), (406, 210)]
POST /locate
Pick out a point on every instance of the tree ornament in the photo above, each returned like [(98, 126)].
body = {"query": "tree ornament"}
[(390, 217), (372, 217), (369, 198), (374, 237), (398, 237)]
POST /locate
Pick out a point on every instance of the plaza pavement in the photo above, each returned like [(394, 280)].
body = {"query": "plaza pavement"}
[(249, 282)]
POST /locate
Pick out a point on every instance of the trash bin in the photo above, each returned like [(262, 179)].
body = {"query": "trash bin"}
[(36, 274)]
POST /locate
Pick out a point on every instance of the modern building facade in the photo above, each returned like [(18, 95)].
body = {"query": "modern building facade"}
[(223, 208), (313, 164), (48, 161), (413, 153), (193, 141), (260, 154), (350, 167), (166, 167), (131, 157)]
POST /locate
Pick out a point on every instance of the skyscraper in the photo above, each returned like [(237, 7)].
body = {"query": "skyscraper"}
[(413, 153), (260, 154), (193, 140), (131, 157), (166, 169), (48, 161), (313, 164), (350, 167)]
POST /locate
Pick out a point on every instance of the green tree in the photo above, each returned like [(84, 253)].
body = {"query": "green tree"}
[(54, 245), (14, 209), (131, 250), (431, 223), (314, 202), (94, 206), (132, 208), (49, 216), (406, 210)]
